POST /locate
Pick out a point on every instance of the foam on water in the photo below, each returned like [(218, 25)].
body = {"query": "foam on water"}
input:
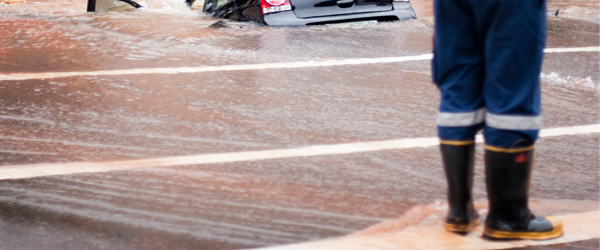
[(576, 12), (570, 81)]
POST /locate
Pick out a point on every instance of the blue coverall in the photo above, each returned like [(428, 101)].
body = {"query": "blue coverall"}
[(487, 63)]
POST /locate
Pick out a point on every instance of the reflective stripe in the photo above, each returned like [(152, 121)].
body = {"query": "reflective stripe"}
[(461, 119), (513, 122)]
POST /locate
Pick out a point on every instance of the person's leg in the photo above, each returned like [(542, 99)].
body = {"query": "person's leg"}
[(515, 33), (458, 71)]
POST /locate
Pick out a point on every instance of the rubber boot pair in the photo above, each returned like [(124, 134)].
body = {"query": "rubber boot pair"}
[(508, 173)]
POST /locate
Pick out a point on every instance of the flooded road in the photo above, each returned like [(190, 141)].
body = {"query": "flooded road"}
[(232, 205)]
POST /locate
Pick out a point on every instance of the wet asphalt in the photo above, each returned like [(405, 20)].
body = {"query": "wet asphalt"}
[(256, 203)]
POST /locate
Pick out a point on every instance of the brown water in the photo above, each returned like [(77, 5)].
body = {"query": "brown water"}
[(249, 204)]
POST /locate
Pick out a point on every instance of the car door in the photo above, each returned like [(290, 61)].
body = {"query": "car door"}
[(320, 8)]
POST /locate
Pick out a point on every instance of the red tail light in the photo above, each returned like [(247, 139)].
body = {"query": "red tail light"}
[(271, 6)]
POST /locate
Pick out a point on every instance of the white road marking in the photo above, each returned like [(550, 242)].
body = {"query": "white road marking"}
[(282, 65), (580, 49), (51, 169)]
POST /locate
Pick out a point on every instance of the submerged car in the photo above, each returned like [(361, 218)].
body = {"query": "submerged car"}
[(307, 12)]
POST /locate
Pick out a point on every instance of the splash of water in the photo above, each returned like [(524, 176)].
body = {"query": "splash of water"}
[(432, 214)]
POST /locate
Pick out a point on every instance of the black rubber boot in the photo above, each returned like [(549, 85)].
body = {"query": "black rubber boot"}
[(508, 174), (459, 159)]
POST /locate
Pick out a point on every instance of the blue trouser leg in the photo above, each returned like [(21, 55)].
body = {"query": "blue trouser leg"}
[(458, 70), (514, 43)]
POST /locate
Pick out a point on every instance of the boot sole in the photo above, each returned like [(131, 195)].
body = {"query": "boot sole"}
[(555, 233), (461, 228)]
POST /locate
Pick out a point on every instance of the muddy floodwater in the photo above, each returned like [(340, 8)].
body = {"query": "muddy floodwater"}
[(244, 204)]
